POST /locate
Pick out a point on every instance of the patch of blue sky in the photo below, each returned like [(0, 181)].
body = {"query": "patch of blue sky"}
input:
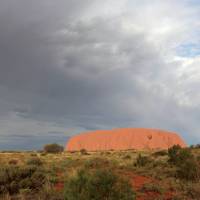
[(188, 50), (193, 2)]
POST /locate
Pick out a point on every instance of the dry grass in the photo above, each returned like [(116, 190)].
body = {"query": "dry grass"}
[(60, 166)]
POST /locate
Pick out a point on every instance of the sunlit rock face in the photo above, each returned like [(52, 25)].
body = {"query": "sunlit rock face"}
[(124, 139)]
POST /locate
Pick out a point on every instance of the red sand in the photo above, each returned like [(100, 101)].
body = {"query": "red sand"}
[(124, 139), (138, 181)]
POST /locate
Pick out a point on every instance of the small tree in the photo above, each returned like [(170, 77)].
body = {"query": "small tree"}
[(53, 148)]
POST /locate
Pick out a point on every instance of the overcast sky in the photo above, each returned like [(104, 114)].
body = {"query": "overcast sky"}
[(68, 66)]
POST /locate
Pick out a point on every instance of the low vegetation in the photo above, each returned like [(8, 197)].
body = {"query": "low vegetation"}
[(98, 185), (34, 161), (84, 152), (109, 175), (142, 161), (14, 179), (187, 165)]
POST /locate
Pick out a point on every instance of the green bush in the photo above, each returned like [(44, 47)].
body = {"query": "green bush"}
[(189, 170), (34, 161), (13, 179), (173, 153), (98, 185), (53, 148), (178, 156), (187, 165), (183, 155)]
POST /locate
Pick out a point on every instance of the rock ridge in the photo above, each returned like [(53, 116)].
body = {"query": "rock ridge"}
[(124, 139)]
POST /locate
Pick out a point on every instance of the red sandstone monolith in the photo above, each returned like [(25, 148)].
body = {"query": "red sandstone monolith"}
[(124, 139)]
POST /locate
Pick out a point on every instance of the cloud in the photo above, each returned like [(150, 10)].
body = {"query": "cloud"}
[(84, 65)]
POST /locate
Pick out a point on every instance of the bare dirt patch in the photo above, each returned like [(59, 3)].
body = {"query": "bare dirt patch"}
[(139, 181)]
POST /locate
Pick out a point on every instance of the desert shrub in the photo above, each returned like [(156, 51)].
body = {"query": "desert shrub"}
[(49, 194), (72, 152), (187, 165), (13, 179), (53, 179), (34, 161), (193, 191), (43, 154), (189, 170), (160, 153), (53, 148), (97, 163), (127, 156), (33, 154), (83, 152), (107, 152), (158, 163), (198, 158), (183, 155), (177, 156), (141, 161), (13, 162), (98, 185), (173, 153)]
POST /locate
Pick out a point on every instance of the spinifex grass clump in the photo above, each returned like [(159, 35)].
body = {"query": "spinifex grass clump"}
[(98, 185)]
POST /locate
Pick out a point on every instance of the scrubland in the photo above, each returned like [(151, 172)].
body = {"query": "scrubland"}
[(106, 175)]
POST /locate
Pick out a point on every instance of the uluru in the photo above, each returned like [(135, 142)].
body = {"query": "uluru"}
[(124, 139)]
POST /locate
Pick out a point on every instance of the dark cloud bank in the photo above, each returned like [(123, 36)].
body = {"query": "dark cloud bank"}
[(69, 66)]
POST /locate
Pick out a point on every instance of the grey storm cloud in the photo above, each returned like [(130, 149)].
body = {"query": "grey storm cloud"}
[(68, 66)]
